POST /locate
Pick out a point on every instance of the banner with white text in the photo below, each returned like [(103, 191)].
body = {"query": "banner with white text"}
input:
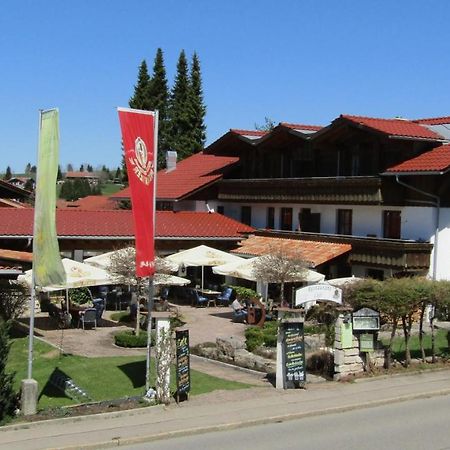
[(139, 137)]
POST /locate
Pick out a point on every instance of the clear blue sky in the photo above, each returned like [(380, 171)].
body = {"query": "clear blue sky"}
[(297, 61)]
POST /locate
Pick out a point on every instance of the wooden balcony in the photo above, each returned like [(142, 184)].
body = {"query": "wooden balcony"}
[(396, 254), (343, 190)]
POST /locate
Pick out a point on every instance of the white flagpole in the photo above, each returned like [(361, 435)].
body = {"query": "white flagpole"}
[(150, 280), (33, 279)]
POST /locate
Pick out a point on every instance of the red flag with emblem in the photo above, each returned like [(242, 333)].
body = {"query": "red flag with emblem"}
[(139, 136)]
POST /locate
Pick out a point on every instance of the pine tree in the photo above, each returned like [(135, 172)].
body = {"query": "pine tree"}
[(7, 394), (59, 175), (82, 168), (28, 168), (181, 111), (8, 173), (69, 167), (159, 97), (89, 168), (140, 99), (199, 109)]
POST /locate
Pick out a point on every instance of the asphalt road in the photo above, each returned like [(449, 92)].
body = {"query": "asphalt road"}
[(416, 424)]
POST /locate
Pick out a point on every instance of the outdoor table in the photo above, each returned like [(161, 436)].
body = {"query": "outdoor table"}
[(210, 295)]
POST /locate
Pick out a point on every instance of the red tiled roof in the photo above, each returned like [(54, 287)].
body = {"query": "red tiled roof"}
[(298, 126), (10, 203), (190, 175), (433, 120), (13, 255), (91, 202), (81, 175), (436, 160), (248, 132), (395, 127), (313, 252), (119, 223)]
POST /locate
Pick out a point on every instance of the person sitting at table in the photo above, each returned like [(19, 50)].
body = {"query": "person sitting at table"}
[(239, 311)]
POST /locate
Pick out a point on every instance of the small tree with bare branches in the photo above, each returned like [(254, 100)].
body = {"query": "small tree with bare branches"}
[(123, 268), (280, 266)]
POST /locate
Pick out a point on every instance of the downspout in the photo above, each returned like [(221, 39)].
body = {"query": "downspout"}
[(436, 203)]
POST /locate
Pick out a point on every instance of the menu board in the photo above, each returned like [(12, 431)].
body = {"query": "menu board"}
[(183, 367), (294, 354)]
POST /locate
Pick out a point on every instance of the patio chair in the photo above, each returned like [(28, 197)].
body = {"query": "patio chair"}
[(99, 305), (226, 297), (197, 299), (89, 316)]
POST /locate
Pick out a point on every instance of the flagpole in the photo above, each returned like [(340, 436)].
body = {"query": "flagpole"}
[(33, 280), (151, 286)]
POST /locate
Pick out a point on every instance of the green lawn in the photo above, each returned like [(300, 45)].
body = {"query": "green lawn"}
[(110, 188), (398, 347), (102, 378)]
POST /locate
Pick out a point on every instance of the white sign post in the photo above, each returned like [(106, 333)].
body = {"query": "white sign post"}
[(324, 292)]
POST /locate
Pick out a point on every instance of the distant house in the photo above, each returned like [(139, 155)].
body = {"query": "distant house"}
[(91, 177), (22, 182), (12, 196)]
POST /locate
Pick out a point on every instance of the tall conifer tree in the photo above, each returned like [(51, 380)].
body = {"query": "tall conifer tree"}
[(180, 111), (158, 98), (140, 99), (198, 107)]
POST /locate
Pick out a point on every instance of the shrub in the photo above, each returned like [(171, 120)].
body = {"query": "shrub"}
[(80, 296), (8, 398), (129, 339), (256, 336), (13, 299)]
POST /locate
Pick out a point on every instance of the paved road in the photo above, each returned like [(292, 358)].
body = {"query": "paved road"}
[(415, 424)]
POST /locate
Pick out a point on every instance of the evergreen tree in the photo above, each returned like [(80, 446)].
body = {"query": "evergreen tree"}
[(140, 99), (69, 167), (89, 168), (181, 111), (59, 175), (199, 109), (7, 394), (28, 168), (159, 97), (8, 173), (119, 173), (82, 168), (29, 185)]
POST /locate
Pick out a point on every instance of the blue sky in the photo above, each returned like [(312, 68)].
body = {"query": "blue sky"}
[(295, 61)]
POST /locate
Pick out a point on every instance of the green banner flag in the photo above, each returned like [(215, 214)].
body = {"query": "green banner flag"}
[(47, 265)]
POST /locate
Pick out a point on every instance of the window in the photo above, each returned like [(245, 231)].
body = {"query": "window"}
[(270, 218), (220, 209), (392, 224), (344, 221), (164, 206), (286, 219), (309, 222), (246, 215), (376, 274)]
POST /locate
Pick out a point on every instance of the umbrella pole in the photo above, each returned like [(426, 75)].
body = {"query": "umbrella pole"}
[(149, 331), (67, 300), (203, 277)]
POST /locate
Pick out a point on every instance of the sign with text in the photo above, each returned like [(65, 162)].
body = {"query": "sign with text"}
[(315, 292), (183, 364), (294, 354)]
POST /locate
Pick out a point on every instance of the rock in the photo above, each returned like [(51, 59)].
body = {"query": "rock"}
[(244, 358), (227, 346)]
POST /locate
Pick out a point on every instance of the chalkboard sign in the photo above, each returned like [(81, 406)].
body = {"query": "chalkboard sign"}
[(294, 354), (183, 367)]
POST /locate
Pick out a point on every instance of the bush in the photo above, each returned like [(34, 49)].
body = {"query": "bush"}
[(129, 339), (80, 296), (8, 398), (257, 336), (13, 299)]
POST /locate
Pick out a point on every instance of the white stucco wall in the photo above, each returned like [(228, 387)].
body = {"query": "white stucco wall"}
[(417, 223)]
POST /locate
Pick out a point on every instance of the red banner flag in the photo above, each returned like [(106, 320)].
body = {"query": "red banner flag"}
[(139, 137)]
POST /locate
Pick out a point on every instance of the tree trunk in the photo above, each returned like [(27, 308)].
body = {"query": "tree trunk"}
[(282, 302), (406, 332), (422, 350), (433, 341), (388, 357)]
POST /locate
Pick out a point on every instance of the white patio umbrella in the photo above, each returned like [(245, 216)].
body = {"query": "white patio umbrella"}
[(170, 280), (77, 275), (202, 256), (344, 281), (244, 269), (104, 260)]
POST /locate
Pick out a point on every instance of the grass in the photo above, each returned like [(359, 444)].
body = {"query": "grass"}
[(121, 316), (104, 378), (398, 348), (110, 188)]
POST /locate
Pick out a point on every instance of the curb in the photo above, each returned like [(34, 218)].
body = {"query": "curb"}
[(253, 422)]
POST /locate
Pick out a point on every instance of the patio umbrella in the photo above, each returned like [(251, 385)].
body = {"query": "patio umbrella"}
[(170, 280), (202, 256), (244, 269), (345, 281), (78, 275), (104, 260)]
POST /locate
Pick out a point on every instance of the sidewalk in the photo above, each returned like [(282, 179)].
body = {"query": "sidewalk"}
[(220, 411)]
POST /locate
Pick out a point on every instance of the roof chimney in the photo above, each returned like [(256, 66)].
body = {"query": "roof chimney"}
[(171, 160)]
